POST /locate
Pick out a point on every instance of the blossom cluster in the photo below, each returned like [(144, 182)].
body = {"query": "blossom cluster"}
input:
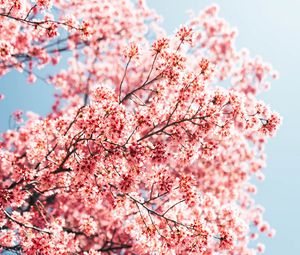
[(136, 157)]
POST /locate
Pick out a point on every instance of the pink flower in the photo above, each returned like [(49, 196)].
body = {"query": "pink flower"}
[(86, 30), (52, 30), (203, 65), (160, 45), (226, 240), (31, 78), (17, 115), (260, 248), (185, 34), (132, 51), (47, 4), (5, 50)]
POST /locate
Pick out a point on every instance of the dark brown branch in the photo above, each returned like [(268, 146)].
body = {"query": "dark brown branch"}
[(169, 125), (121, 83), (141, 87), (38, 23), (117, 247), (31, 9), (158, 214), (25, 225), (151, 69), (183, 200)]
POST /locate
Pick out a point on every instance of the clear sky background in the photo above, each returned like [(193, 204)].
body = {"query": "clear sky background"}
[(270, 28)]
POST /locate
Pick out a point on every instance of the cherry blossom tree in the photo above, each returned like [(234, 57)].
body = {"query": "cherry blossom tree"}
[(152, 143)]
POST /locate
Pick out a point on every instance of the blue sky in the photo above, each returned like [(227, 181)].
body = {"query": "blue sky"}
[(268, 28)]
